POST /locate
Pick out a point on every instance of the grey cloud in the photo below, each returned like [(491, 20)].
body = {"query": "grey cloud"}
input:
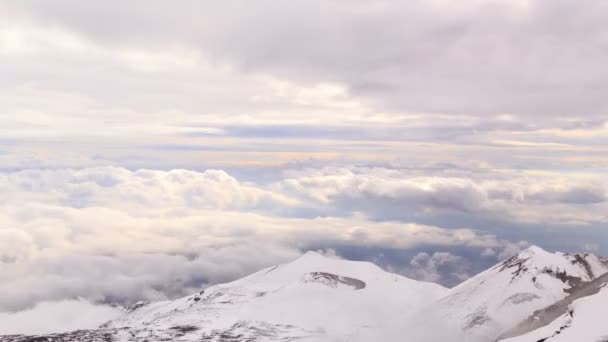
[(213, 86), (477, 57), (406, 195), (588, 193), (442, 267)]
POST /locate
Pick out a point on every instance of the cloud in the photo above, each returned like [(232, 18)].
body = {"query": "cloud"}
[(416, 82), (421, 56), (441, 267), (233, 130), (124, 278), (406, 194), (107, 187), (110, 235), (56, 317), (450, 269), (115, 236)]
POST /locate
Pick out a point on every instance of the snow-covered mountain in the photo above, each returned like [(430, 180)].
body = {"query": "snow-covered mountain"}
[(316, 298), (492, 302), (312, 298)]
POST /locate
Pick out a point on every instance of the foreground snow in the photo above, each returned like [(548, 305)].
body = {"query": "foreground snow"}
[(315, 298)]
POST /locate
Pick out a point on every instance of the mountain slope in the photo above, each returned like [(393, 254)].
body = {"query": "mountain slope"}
[(492, 302), (584, 318), (542, 318), (312, 298)]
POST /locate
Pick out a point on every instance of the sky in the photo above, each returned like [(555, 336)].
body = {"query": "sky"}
[(151, 148)]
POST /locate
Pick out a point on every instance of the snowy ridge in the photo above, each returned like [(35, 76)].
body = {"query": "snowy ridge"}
[(492, 302)]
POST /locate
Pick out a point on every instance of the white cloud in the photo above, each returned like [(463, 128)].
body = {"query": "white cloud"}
[(56, 317), (112, 235), (127, 277), (501, 195), (434, 267)]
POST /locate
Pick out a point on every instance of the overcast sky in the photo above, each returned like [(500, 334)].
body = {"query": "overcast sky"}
[(149, 148)]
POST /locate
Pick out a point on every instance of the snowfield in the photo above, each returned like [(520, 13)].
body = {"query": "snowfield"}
[(316, 298)]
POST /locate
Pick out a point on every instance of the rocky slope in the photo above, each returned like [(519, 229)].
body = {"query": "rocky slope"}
[(487, 305), (578, 317)]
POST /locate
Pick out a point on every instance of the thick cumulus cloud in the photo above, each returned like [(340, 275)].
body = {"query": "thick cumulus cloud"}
[(405, 194), (127, 277), (110, 235), (107, 187)]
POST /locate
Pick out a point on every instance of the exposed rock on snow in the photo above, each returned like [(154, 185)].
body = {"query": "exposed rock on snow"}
[(333, 280), (562, 319)]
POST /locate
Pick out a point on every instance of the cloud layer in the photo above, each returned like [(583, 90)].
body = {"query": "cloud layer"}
[(519, 197), (423, 56), (117, 236), (112, 235)]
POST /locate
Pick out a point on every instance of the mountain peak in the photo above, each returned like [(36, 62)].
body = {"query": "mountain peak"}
[(533, 250), (529, 281), (562, 265), (313, 254), (311, 259)]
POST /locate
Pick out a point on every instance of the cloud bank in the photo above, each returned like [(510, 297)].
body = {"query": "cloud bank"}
[(116, 236), (56, 317), (111, 235)]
